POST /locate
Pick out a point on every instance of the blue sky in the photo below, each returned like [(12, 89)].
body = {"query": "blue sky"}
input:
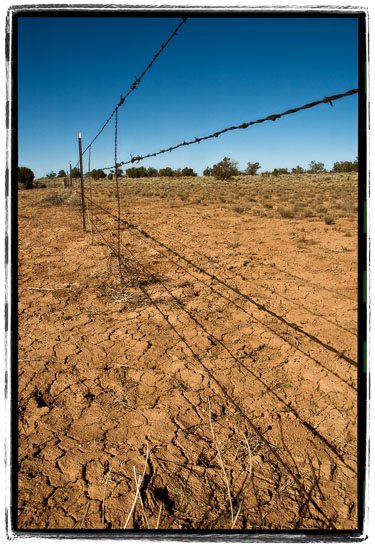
[(217, 72)]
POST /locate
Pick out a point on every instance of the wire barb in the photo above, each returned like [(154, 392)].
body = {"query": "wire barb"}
[(244, 125)]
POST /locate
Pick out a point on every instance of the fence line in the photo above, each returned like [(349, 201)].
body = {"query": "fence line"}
[(127, 259), (244, 125)]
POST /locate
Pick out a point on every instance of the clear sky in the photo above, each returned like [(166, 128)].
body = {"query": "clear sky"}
[(215, 73)]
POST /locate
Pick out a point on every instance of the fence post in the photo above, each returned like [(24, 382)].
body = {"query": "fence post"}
[(82, 186), (70, 174)]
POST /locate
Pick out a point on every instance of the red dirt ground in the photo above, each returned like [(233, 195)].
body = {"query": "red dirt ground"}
[(104, 378)]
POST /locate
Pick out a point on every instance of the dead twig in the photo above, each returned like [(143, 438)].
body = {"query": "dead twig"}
[(138, 484)]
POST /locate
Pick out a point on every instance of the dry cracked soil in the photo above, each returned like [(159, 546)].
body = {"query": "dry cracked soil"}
[(213, 367)]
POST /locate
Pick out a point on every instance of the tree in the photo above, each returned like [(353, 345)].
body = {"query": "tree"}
[(188, 172), (97, 174), (166, 172), (345, 166), (252, 168), (136, 172), (61, 174), (316, 167), (51, 175), (280, 171), (207, 171), (152, 172), (110, 176), (76, 172), (298, 170), (119, 172), (225, 169), (26, 177)]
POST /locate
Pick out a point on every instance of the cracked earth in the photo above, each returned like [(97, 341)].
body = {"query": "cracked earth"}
[(108, 391)]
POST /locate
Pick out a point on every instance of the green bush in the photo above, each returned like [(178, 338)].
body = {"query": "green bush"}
[(252, 168), (225, 169), (136, 172), (166, 172), (345, 166), (280, 171), (316, 167), (298, 170), (97, 174), (76, 173), (188, 172), (25, 177), (152, 172)]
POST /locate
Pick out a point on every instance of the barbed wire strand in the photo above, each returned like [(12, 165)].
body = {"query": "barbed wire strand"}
[(118, 207), (134, 85), (244, 125)]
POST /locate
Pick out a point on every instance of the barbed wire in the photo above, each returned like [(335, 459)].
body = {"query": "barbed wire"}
[(242, 126), (134, 85)]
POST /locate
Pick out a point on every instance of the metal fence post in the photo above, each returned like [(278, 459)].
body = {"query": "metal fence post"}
[(82, 186), (70, 174)]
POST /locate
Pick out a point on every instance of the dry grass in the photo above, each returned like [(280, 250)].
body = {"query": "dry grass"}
[(289, 196)]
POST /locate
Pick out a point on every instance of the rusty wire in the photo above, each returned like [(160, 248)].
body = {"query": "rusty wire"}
[(118, 207), (134, 85), (244, 125)]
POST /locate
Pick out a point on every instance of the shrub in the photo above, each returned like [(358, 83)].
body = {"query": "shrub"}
[(187, 172), (286, 212), (76, 173), (97, 174), (110, 176), (316, 167), (25, 177), (166, 172), (239, 209), (298, 170), (345, 166), (252, 168), (280, 171), (225, 169), (136, 172), (329, 219), (61, 174), (152, 172), (207, 171), (51, 175)]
